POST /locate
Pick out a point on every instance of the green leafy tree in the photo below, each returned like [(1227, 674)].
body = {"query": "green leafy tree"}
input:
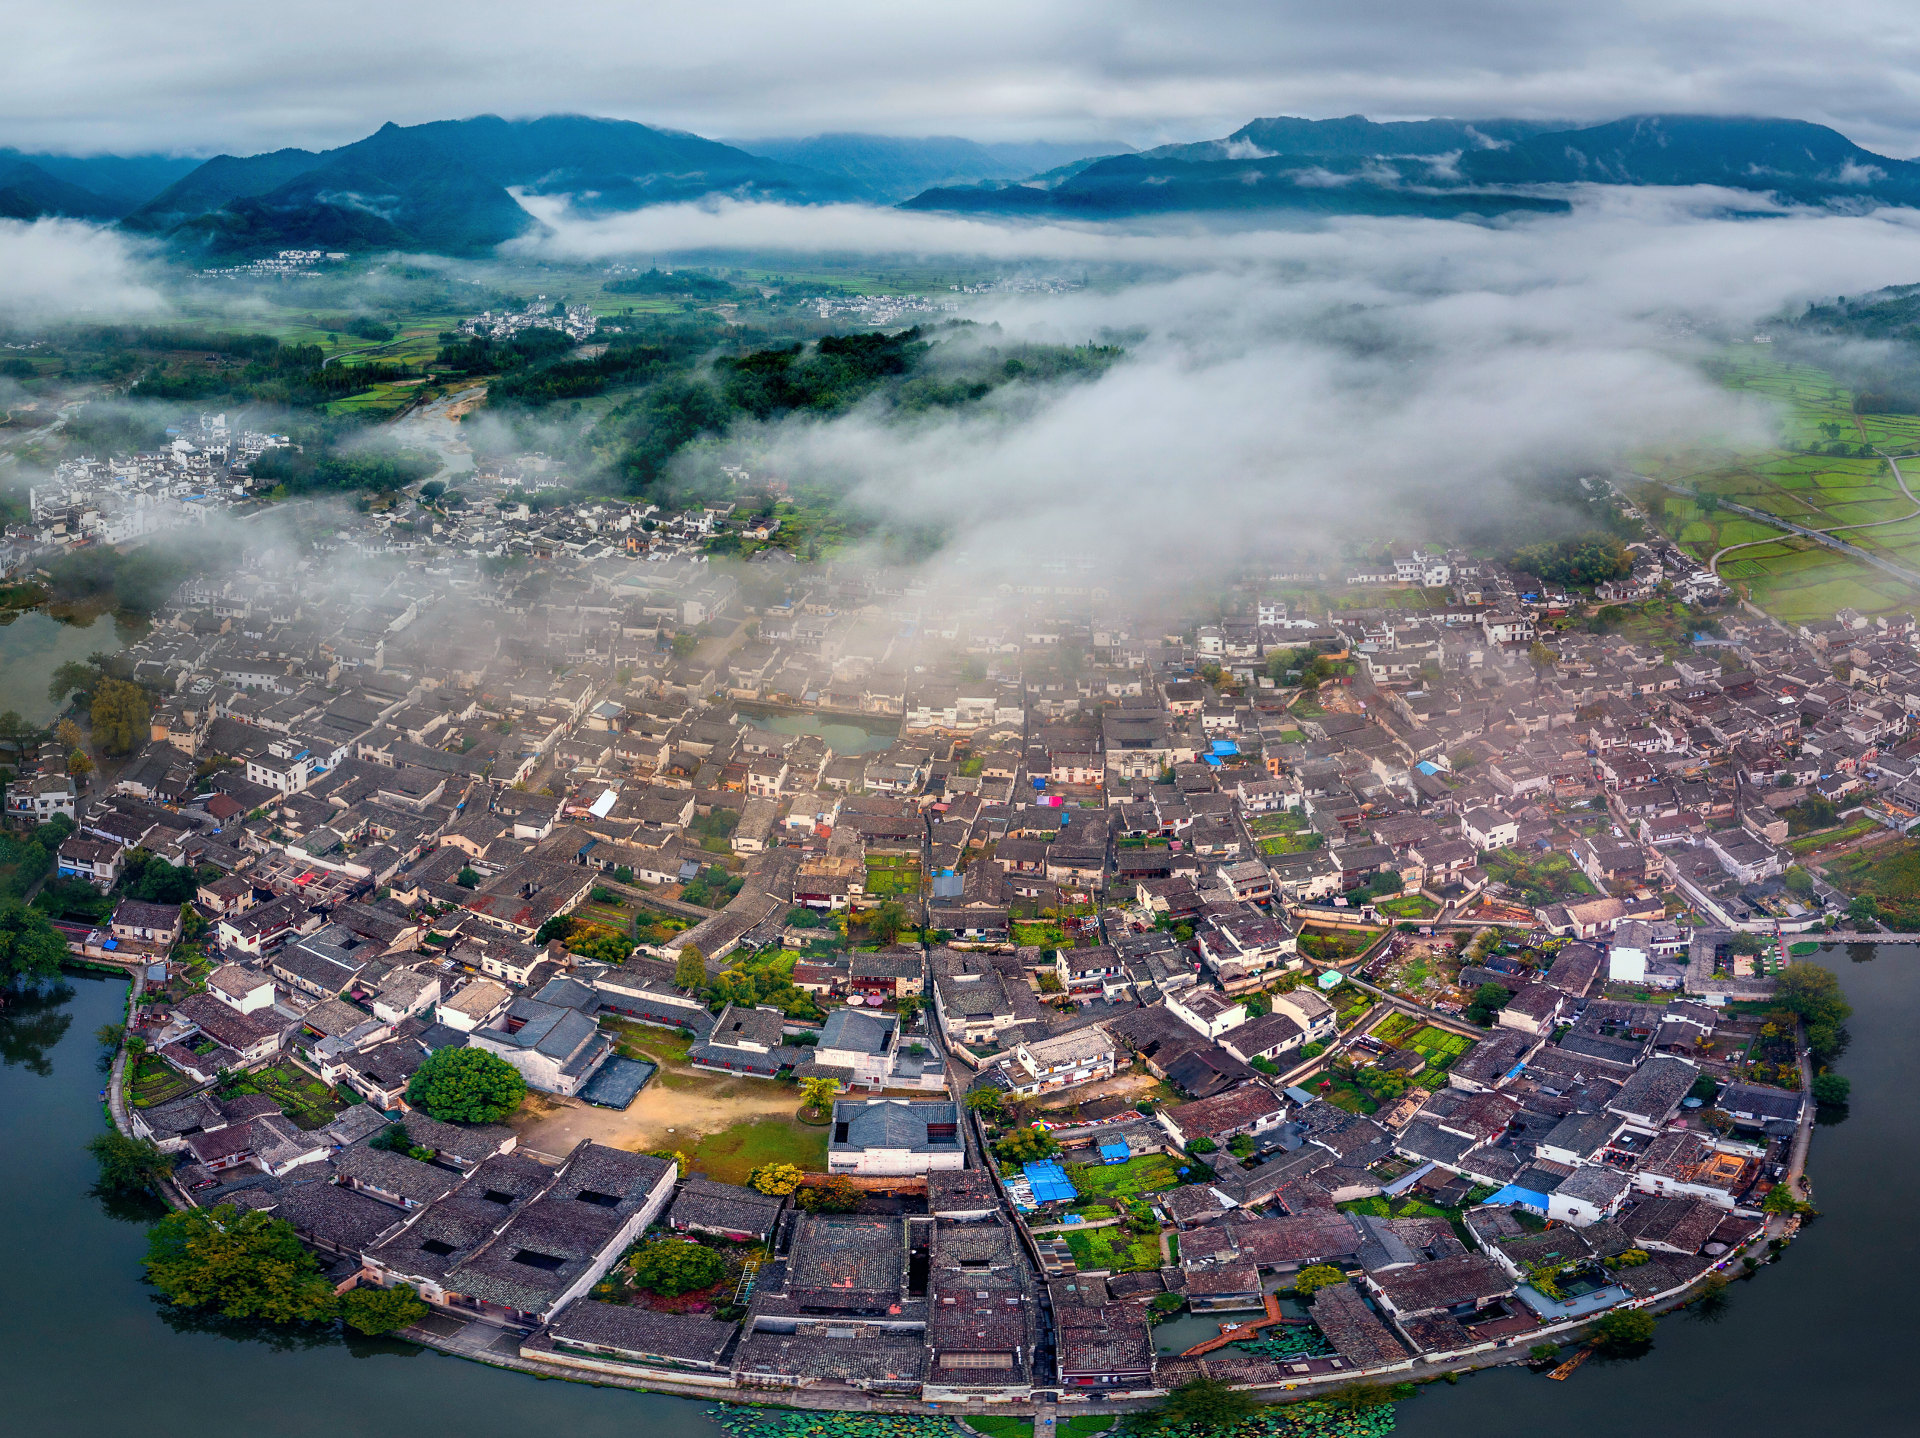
[(670, 1267), (30, 947), (1202, 1145), (1488, 1000), (886, 922), (242, 1264), (1585, 560), (1780, 1199), (690, 969), (466, 1085), (1832, 1090), (818, 1094), (467, 878), (1310, 1280), (777, 1179), (119, 713), (1026, 1145), (72, 677), (989, 1101), (381, 1310), (1813, 993), (1623, 1331), (128, 1165)]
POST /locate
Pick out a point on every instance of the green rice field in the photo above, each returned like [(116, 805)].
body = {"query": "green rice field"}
[(1839, 486)]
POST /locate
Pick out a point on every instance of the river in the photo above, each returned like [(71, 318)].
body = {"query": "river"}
[(33, 644), (1816, 1343)]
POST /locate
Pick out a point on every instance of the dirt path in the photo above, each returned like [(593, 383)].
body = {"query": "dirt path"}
[(672, 1110)]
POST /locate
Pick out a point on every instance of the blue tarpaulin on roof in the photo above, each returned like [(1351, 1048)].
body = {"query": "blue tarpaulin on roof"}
[(1049, 1182), (1225, 746), (1520, 1197), (1115, 1152), (1427, 766), (1213, 759)]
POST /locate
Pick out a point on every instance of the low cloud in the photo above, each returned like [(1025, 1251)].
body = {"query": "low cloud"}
[(1356, 379), (69, 269)]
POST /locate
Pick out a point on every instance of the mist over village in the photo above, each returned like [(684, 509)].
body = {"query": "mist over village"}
[(1136, 723)]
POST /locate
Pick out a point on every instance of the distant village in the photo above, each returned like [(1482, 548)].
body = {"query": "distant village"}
[(1154, 960), (205, 468)]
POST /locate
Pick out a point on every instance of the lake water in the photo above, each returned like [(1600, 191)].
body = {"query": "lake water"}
[(86, 1351), (842, 738), (33, 644), (1815, 1344)]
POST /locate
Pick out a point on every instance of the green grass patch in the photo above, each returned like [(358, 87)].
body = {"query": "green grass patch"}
[(1039, 932), (731, 1154), (1891, 874), (1147, 1173), (1408, 906), (1084, 1425), (1115, 1248)]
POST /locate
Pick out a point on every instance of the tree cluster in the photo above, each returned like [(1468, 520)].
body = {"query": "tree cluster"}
[(1584, 560), (466, 1085)]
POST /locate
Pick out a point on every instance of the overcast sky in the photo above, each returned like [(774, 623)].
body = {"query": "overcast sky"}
[(205, 76)]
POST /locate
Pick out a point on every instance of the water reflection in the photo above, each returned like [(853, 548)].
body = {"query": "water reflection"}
[(1862, 953), (32, 1021)]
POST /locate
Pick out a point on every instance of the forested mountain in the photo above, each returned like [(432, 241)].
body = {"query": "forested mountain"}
[(887, 168), (444, 185), (83, 187), (449, 185), (1354, 165)]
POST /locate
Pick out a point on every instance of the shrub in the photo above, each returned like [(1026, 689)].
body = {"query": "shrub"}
[(670, 1267), (777, 1179), (1312, 1279), (381, 1310), (1832, 1090), (1625, 1330)]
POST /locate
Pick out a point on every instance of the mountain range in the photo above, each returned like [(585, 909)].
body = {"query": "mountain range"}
[(450, 186), (1355, 165)]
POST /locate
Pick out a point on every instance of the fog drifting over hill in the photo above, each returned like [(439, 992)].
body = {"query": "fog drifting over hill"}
[(1288, 384)]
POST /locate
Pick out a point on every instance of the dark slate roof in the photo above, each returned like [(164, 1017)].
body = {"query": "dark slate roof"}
[(847, 1262), (1655, 1089), (703, 1203), (468, 1142), (569, 1222), (641, 1332), (1356, 1332), (395, 1173), (960, 1190), (337, 1217), (1442, 1284), (893, 1123)]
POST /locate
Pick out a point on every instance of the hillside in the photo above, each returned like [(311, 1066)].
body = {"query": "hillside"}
[(445, 185), (1354, 165)]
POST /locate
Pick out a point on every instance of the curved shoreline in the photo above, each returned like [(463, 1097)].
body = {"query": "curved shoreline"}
[(608, 1373)]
